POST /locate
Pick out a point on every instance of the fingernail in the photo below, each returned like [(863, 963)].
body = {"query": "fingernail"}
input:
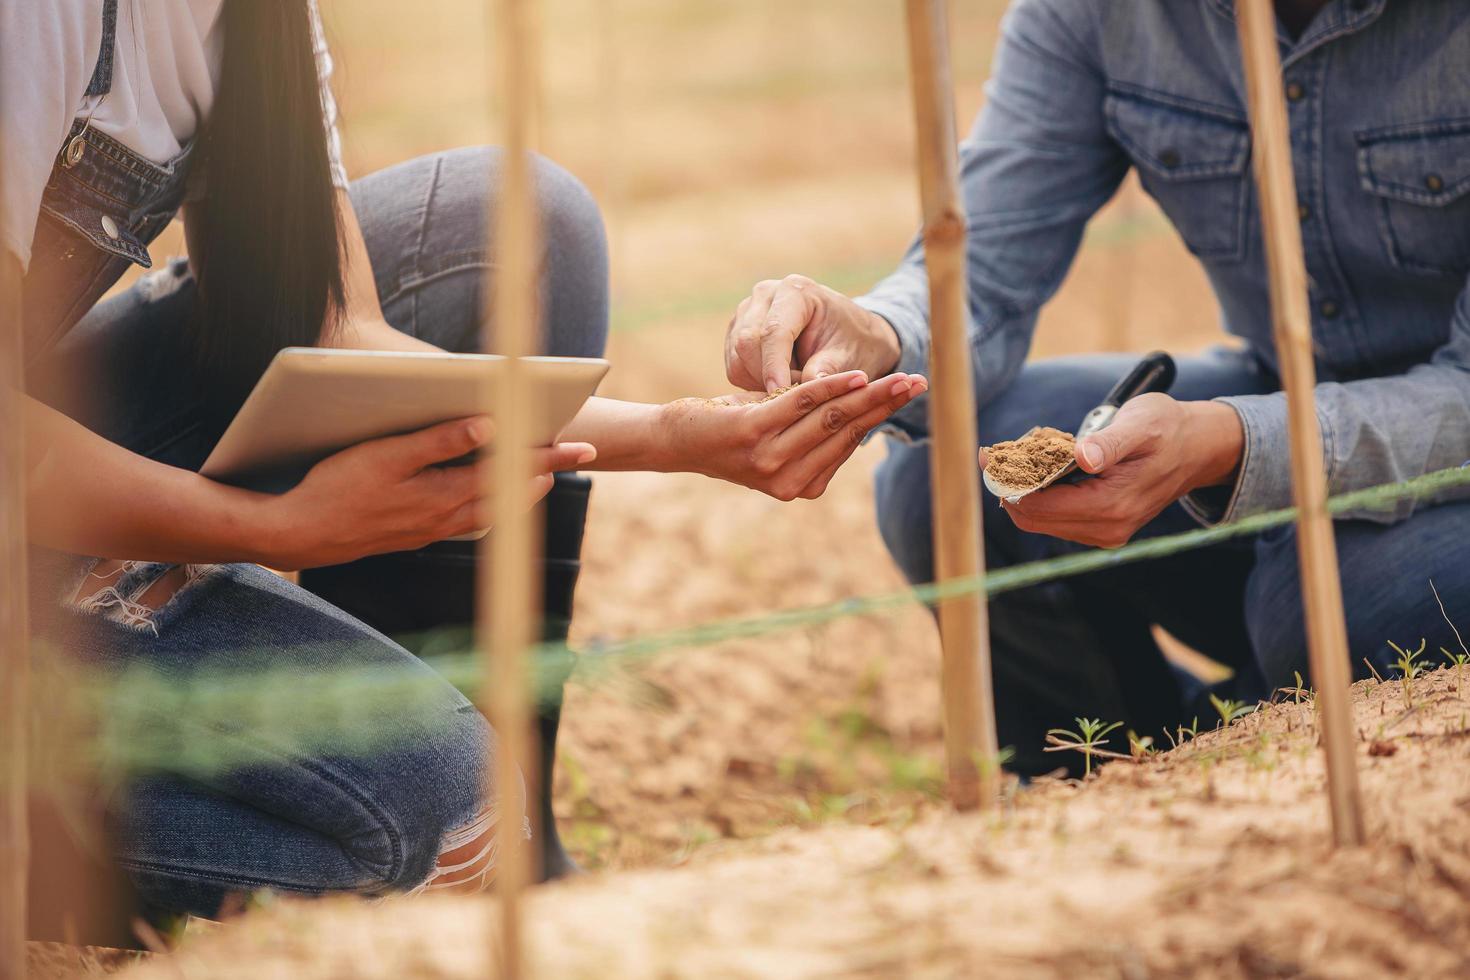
[(858, 380), (588, 455), (899, 387), (821, 374), (1093, 453), (478, 431)]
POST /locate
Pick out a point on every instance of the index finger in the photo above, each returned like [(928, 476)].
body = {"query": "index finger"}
[(785, 320), (792, 406)]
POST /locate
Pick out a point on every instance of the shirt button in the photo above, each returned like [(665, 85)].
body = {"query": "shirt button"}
[(1294, 92), (1434, 182), (109, 226), (1329, 309), (1170, 158)]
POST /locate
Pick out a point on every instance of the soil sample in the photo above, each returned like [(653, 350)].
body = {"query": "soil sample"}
[(1025, 463)]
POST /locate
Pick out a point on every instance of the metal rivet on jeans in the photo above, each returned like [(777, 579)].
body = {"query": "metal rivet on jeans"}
[(109, 226), (1434, 182)]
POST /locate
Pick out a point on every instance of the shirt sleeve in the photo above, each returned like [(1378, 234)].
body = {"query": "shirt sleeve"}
[(1375, 431), (1037, 165), (324, 68)]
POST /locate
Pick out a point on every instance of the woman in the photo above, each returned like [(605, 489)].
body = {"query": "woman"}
[(222, 106)]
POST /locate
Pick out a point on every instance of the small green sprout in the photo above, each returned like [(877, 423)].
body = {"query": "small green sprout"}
[(1298, 692), (1409, 667), (1229, 710), (1178, 737), (1088, 739), (1458, 660), (1140, 747)]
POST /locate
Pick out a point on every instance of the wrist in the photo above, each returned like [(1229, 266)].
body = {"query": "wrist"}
[(1215, 429), (889, 346)]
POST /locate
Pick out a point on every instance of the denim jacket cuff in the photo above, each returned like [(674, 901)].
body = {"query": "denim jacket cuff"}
[(1264, 482), (911, 423)]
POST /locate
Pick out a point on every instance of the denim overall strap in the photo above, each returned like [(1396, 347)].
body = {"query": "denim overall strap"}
[(102, 207), (101, 82)]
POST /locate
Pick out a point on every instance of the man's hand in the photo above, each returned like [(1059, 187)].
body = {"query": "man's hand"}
[(798, 323), (1155, 451)]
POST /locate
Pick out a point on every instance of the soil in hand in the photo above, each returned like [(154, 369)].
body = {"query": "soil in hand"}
[(1025, 463)]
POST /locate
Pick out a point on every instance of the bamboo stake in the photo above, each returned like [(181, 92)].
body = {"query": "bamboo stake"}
[(1291, 318), (507, 594), (971, 752), (15, 666)]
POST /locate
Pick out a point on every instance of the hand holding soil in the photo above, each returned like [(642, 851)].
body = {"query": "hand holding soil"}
[(788, 443), (1156, 451)]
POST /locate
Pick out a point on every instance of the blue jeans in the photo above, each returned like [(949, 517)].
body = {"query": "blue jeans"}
[(311, 823), (1083, 646)]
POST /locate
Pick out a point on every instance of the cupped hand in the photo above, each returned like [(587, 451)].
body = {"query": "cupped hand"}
[(395, 494), (1155, 451), (789, 444), (799, 323)]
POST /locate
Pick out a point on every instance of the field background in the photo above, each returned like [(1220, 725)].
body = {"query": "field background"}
[(730, 141)]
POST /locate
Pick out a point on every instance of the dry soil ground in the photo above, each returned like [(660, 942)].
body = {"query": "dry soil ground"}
[(733, 141), (1209, 861)]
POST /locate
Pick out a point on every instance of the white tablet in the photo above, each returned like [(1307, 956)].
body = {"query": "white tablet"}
[(312, 402)]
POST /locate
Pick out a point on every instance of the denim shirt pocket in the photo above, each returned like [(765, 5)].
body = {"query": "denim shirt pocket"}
[(1420, 176), (1193, 162)]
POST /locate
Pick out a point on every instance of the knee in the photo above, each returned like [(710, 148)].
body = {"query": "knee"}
[(429, 795), (571, 223)]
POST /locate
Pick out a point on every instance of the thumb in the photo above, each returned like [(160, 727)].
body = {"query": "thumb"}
[(1111, 446), (823, 362)]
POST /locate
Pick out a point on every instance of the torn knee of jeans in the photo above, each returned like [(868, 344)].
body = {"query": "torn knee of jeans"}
[(468, 855), (135, 594)]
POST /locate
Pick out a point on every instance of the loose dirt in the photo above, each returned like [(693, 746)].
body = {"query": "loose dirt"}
[(1212, 860), (1025, 463)]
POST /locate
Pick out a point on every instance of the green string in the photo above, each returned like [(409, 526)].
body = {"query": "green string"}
[(218, 718)]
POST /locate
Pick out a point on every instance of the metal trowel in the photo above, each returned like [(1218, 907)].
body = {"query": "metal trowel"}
[(1155, 372)]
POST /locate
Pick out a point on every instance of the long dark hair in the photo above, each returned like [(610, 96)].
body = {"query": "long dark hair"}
[(268, 235)]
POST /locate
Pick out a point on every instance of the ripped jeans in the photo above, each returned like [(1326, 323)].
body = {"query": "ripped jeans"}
[(415, 808)]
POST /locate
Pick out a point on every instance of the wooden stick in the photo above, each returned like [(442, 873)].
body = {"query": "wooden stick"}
[(507, 595), (15, 661), (1292, 324), (971, 752)]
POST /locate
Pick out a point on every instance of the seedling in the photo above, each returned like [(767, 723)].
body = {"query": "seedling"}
[(1089, 739), (1229, 710), (1179, 738), (1300, 692), (1140, 747), (1409, 667), (1458, 660)]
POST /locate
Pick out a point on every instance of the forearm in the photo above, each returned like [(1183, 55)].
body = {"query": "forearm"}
[(89, 496), (629, 436)]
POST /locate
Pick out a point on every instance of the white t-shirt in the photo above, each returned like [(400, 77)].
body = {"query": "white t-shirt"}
[(166, 65)]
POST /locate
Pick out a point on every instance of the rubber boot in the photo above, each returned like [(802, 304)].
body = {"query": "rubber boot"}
[(426, 600), (566, 520)]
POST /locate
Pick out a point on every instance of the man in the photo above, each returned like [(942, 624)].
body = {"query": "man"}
[(1378, 96)]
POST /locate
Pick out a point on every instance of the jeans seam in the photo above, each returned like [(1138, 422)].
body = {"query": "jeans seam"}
[(455, 262), (212, 876), (418, 250)]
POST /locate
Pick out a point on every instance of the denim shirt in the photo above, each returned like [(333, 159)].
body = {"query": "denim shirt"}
[(1378, 97)]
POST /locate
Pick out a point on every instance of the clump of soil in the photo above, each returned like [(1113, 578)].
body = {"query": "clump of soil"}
[(1025, 463)]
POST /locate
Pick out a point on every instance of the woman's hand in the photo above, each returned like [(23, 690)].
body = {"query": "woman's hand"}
[(1155, 451), (394, 494), (790, 444)]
